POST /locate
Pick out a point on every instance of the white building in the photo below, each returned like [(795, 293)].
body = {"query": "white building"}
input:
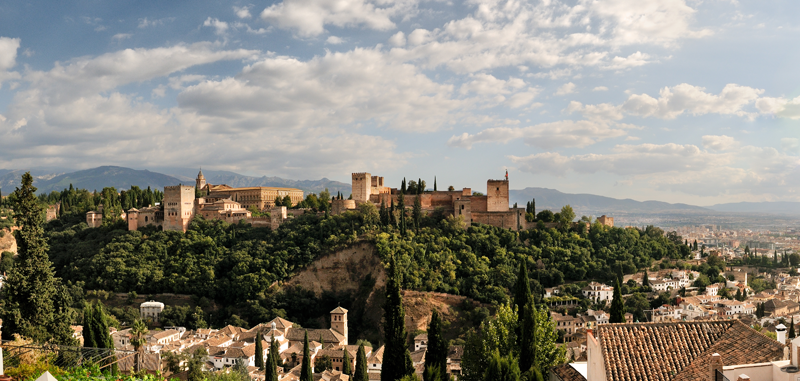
[(598, 292), (151, 310)]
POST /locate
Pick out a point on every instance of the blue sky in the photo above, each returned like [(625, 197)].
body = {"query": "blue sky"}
[(673, 100)]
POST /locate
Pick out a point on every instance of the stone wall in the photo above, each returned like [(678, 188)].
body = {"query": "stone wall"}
[(511, 218), (362, 186), (178, 207), (497, 195)]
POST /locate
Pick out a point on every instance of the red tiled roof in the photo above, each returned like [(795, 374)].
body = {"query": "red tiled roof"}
[(567, 373), (680, 351)]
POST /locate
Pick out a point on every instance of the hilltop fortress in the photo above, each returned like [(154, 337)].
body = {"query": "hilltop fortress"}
[(217, 202), (491, 208)]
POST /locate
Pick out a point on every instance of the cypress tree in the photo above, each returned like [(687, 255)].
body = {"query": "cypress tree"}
[(617, 306), (527, 338), (36, 304), (434, 184), (403, 186), (419, 186), (401, 206), (89, 340), (436, 355), (522, 288), (259, 352), (305, 370), (417, 212), (273, 359), (645, 279), (791, 329), (346, 364), (361, 365), (396, 358)]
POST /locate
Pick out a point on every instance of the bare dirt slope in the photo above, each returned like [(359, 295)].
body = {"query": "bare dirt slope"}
[(342, 271), (351, 270), (7, 242)]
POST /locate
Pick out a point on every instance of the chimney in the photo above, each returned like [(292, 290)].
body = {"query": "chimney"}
[(743, 377), (780, 330), (716, 365)]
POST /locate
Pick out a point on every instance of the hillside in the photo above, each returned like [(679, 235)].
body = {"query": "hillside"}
[(553, 199), (777, 207), (357, 271)]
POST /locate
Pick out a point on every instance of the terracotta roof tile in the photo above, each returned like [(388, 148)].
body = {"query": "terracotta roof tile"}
[(680, 351), (567, 373)]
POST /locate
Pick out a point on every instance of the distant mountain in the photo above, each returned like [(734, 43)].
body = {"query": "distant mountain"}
[(553, 199), (122, 178), (108, 176), (776, 207), (238, 180)]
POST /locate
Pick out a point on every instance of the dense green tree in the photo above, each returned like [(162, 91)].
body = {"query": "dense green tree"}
[(527, 338), (305, 370), (35, 303), (502, 368), (417, 212), (347, 365), (273, 361), (361, 365), (645, 279), (436, 354), (637, 304), (195, 365), (791, 329), (396, 358), (322, 363), (434, 184), (259, 363), (617, 314)]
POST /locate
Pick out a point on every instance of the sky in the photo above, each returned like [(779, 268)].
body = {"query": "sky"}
[(673, 100)]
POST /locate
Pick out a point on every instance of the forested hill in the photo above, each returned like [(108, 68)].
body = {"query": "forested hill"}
[(237, 264), (554, 200)]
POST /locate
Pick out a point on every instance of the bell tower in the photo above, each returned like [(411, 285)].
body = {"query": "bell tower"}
[(339, 322), (201, 180)]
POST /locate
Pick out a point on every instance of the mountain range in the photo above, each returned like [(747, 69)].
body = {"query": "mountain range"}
[(122, 178)]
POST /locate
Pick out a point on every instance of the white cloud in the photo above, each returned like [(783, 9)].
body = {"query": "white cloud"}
[(685, 98), (567, 88), (220, 27), (359, 86), (565, 133), (145, 22), (603, 111), (633, 60), (309, 17), (683, 168), (398, 39), (781, 107), (719, 142), (600, 88), (8, 58), (502, 33), (121, 36), (333, 40), (242, 12)]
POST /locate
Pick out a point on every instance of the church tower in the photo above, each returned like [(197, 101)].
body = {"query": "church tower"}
[(339, 322), (201, 180)]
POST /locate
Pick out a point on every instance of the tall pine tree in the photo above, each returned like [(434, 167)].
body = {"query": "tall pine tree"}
[(361, 365), (645, 279), (36, 303), (305, 370), (396, 358), (617, 306), (436, 354)]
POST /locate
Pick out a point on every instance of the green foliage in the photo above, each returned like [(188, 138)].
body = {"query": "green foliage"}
[(273, 360), (436, 354), (305, 370), (194, 367), (35, 303), (361, 365), (347, 365), (617, 314), (396, 358), (259, 353), (322, 363), (502, 368), (138, 332), (636, 304)]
